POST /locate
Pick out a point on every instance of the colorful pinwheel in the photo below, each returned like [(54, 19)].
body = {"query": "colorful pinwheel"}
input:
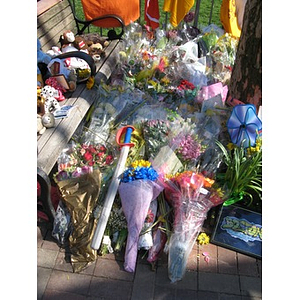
[(243, 125)]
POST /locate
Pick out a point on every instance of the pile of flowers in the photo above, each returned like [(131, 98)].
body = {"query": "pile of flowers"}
[(179, 168), (81, 159)]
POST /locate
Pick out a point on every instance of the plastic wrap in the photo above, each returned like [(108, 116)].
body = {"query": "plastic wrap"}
[(191, 202), (62, 224), (146, 239), (136, 197), (80, 196), (137, 189)]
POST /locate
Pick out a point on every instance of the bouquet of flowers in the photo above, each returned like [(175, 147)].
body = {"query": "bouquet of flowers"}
[(191, 201), (79, 179), (82, 159), (137, 189)]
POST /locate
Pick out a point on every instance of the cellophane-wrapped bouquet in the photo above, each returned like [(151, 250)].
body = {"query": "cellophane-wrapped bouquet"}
[(137, 189), (191, 195), (79, 177)]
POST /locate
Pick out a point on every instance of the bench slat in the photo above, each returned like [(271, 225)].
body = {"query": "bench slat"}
[(52, 23), (47, 156)]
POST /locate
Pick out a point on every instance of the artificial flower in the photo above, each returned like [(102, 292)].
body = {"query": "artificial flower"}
[(203, 238)]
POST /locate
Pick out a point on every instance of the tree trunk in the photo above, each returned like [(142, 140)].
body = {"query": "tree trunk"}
[(246, 78)]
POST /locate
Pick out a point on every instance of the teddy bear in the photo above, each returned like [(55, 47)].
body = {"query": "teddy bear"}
[(42, 60), (44, 122), (96, 45), (70, 42)]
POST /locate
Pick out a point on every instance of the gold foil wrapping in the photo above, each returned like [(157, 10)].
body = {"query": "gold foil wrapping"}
[(80, 196)]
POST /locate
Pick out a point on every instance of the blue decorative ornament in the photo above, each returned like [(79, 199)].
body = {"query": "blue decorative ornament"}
[(243, 125)]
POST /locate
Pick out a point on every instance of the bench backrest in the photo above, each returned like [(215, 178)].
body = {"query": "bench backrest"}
[(54, 21)]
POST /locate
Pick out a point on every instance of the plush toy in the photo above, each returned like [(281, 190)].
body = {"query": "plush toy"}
[(40, 102), (81, 44), (51, 104), (40, 127), (67, 40), (96, 45), (48, 120), (41, 58), (44, 122), (70, 42)]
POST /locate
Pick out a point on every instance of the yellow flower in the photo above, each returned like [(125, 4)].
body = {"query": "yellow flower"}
[(230, 146), (220, 192), (141, 163), (165, 80), (90, 82), (203, 238)]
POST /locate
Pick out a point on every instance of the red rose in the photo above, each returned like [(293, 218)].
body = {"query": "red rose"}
[(87, 156), (108, 159)]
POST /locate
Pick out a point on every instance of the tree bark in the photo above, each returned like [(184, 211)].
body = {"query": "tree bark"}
[(246, 78)]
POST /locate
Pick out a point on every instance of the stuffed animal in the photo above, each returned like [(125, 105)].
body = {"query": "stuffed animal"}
[(51, 104), (81, 44), (96, 45), (44, 122), (67, 40), (48, 120), (40, 127), (70, 42), (41, 58)]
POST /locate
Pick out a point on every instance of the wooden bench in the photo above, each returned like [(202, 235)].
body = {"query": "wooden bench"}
[(54, 17)]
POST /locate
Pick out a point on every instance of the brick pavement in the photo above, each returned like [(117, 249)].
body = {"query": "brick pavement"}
[(227, 276)]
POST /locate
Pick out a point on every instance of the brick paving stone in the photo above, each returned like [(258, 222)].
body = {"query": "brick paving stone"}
[(202, 295), (251, 286), (46, 258), (162, 278), (143, 287), (59, 295), (188, 282), (109, 289), (227, 261), (63, 263), (192, 263), (50, 245), (112, 269), (164, 293), (229, 297), (247, 265), (43, 275), (69, 282), (186, 294), (119, 256), (221, 283), (212, 265), (39, 237)]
